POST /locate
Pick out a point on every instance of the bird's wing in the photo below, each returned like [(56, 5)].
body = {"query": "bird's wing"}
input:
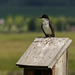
[(43, 30), (52, 28)]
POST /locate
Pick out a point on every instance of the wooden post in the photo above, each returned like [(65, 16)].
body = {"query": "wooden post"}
[(24, 71), (28, 71), (46, 72), (53, 71), (67, 61), (61, 67)]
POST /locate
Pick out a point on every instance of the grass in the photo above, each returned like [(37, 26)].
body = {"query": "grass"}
[(12, 46)]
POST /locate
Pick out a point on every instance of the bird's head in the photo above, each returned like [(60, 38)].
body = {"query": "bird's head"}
[(44, 16)]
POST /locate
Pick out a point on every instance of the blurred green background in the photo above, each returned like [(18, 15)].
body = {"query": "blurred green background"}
[(20, 25)]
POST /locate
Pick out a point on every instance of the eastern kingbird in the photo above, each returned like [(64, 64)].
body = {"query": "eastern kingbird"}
[(47, 26)]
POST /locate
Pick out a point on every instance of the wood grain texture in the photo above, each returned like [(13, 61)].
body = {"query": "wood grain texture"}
[(53, 70), (44, 52), (60, 66)]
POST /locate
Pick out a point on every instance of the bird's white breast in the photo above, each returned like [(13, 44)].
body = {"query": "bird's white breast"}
[(46, 27)]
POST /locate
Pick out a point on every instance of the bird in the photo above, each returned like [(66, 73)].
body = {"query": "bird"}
[(47, 26)]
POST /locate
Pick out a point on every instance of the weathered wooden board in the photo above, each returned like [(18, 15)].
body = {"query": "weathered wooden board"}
[(61, 65), (44, 52)]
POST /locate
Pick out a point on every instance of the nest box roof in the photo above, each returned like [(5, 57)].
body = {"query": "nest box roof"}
[(44, 52)]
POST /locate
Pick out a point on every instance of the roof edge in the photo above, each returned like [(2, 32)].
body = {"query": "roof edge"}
[(61, 53)]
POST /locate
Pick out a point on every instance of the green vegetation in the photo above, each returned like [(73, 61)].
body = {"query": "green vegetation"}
[(12, 46), (31, 25), (9, 22), (21, 24)]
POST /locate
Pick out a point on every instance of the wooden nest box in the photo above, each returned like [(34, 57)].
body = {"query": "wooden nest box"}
[(46, 56)]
